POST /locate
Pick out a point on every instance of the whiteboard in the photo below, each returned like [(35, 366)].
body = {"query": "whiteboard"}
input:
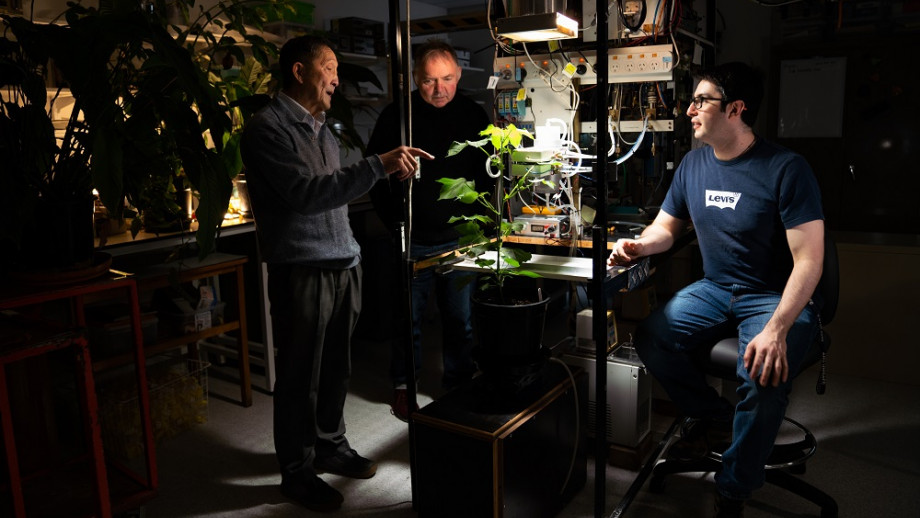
[(811, 97)]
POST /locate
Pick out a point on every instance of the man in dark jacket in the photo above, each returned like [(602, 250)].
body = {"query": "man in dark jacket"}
[(440, 116)]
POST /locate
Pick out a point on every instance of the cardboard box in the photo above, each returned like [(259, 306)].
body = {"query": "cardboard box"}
[(637, 304), (194, 320), (584, 330)]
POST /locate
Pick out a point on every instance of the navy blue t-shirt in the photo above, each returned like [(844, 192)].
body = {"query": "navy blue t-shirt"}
[(741, 209)]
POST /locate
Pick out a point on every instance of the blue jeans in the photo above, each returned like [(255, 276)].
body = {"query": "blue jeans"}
[(456, 329), (701, 314)]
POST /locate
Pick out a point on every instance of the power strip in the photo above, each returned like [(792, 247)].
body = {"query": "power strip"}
[(632, 126), (637, 64), (624, 65)]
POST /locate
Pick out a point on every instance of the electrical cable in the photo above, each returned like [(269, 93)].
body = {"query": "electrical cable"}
[(577, 422), (632, 150), (661, 96), (505, 47), (676, 52), (489, 167)]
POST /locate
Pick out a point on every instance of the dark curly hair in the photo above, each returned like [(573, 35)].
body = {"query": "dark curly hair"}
[(737, 81)]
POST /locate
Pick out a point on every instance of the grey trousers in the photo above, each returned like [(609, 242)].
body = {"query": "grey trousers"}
[(313, 313)]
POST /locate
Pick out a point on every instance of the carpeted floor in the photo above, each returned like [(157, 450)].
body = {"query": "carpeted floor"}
[(868, 457)]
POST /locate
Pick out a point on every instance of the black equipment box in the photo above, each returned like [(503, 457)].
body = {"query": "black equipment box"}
[(481, 452)]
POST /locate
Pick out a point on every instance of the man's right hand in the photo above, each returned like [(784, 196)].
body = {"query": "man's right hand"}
[(401, 161), (656, 238), (624, 252)]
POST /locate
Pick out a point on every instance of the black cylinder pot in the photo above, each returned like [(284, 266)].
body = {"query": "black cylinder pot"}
[(59, 237), (509, 342)]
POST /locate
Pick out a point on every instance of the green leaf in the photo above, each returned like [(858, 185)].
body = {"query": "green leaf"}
[(516, 254), (233, 161), (478, 250), (484, 263), (457, 147), (514, 136), (459, 189), (476, 218), (498, 140), (528, 273)]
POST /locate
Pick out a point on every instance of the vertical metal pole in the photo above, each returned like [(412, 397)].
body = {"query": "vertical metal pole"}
[(599, 256), (399, 41)]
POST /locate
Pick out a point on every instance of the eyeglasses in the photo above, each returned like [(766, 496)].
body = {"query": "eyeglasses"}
[(700, 99)]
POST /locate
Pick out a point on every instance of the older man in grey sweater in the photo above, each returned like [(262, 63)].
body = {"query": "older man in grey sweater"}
[(299, 195)]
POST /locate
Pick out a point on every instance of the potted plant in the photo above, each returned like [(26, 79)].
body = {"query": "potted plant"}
[(144, 114), (508, 322), (483, 236)]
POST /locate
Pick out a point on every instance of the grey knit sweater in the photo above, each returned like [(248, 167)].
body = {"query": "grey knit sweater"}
[(298, 192)]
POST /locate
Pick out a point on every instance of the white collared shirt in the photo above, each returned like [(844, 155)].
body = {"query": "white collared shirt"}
[(315, 122)]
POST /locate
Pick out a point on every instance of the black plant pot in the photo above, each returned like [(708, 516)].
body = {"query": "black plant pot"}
[(59, 237), (509, 342)]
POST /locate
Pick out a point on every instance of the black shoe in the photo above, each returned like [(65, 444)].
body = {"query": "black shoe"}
[(346, 464), (728, 507), (312, 492), (699, 437)]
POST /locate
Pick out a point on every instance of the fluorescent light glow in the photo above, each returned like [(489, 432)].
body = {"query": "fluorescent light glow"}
[(538, 27)]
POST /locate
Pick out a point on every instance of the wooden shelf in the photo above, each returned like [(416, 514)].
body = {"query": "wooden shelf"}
[(553, 241), (188, 270), (104, 363)]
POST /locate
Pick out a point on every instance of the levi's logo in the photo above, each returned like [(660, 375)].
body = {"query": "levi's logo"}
[(722, 199)]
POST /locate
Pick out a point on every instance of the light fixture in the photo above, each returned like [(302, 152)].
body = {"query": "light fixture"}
[(537, 27)]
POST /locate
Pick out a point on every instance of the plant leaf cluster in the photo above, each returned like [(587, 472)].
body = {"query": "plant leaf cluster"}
[(145, 113), (483, 236)]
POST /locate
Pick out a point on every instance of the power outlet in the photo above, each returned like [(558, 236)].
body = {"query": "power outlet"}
[(637, 64)]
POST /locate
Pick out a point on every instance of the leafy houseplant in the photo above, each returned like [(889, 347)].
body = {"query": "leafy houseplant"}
[(483, 237), (144, 112), (508, 326)]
